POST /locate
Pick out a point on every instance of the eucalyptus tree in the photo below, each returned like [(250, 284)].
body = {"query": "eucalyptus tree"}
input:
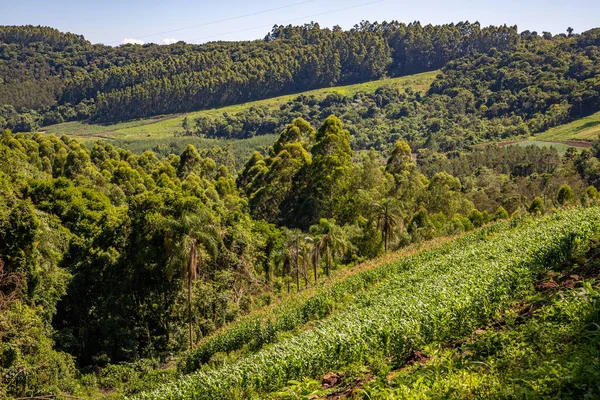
[(328, 174), (285, 256)]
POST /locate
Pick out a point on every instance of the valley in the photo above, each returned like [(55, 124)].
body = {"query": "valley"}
[(390, 211)]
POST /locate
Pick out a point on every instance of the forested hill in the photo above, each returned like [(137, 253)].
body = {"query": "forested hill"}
[(49, 77), (113, 263), (539, 83), (495, 83)]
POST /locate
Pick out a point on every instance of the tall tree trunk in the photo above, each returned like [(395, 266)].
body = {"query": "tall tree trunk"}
[(315, 262), (288, 273), (305, 271), (267, 270), (191, 276), (384, 241), (328, 261), (297, 263)]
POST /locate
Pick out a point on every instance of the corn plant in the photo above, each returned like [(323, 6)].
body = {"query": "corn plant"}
[(438, 296)]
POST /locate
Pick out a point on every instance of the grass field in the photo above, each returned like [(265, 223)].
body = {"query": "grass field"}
[(585, 129), (161, 132), (135, 134), (560, 147), (578, 134)]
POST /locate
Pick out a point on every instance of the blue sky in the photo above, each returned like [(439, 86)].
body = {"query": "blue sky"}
[(112, 21)]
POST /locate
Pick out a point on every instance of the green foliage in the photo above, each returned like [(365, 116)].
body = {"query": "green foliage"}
[(300, 390), (29, 365), (590, 196), (435, 300), (550, 352), (536, 207), (400, 160), (501, 213), (477, 218), (468, 104), (331, 243), (87, 232), (118, 256), (74, 79), (254, 332), (328, 173), (270, 182), (420, 225), (388, 220), (565, 195)]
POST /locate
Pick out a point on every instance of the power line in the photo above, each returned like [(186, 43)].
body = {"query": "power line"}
[(289, 20), (220, 21)]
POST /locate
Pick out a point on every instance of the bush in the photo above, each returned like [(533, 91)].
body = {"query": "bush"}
[(565, 195), (30, 365), (590, 196), (476, 218), (501, 213), (536, 207)]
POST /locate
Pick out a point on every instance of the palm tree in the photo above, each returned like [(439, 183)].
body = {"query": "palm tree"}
[(388, 219), (297, 263), (188, 239), (316, 255), (286, 256), (331, 242), (308, 255)]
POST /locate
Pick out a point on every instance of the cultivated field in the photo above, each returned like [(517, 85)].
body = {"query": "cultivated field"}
[(393, 309)]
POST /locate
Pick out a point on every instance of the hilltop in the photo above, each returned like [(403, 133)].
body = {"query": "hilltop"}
[(494, 84), (77, 80)]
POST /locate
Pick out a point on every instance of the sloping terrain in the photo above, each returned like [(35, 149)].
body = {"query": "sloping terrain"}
[(164, 134), (579, 134), (167, 127), (544, 346), (583, 130), (432, 297)]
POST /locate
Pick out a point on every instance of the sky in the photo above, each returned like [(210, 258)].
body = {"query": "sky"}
[(115, 22)]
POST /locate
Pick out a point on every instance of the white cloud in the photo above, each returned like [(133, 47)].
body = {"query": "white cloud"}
[(132, 41), (170, 41)]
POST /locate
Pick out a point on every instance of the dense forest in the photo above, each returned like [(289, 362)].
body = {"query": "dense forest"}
[(51, 77), (494, 83), (114, 265), (538, 84), (96, 243)]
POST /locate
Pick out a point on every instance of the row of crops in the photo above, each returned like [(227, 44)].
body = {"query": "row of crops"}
[(255, 331), (438, 295)]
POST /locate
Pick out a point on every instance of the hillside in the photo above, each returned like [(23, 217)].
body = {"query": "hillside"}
[(390, 211), (494, 85), (583, 130), (151, 133), (96, 243), (577, 134), (169, 126), (80, 80), (544, 345), (437, 296)]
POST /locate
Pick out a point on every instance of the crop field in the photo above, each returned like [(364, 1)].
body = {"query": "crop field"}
[(391, 310), (547, 347)]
